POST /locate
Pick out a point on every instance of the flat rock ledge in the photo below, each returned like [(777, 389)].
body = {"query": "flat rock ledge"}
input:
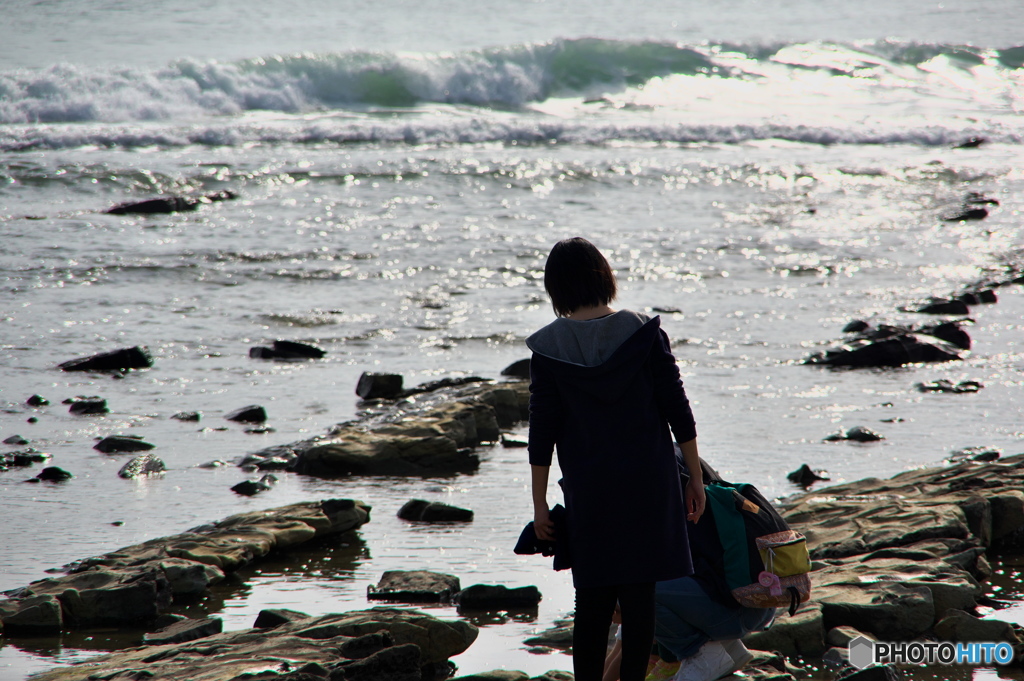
[(134, 585), (380, 644), (427, 433), (904, 558)]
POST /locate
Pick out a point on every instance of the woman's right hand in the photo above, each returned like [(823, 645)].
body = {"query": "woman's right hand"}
[(543, 527)]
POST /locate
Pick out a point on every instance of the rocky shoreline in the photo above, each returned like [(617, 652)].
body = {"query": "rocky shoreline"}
[(894, 560)]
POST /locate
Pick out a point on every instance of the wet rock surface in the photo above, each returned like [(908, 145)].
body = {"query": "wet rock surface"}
[(370, 645), (432, 430), (414, 586), (121, 360), (419, 510), (136, 584)]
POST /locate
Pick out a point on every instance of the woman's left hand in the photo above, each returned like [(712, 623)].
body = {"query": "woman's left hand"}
[(694, 499)]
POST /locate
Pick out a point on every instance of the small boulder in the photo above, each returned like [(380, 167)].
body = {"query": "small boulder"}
[(275, 617), (856, 326), (982, 297), (249, 488), (124, 359), (944, 306), (805, 476), (559, 636), (497, 597), (856, 434), (115, 444), (187, 416), (147, 464), (169, 204), (251, 414), (372, 386), (414, 586), (422, 511), (957, 626), (15, 440), (976, 454), (966, 213), (85, 406), (287, 350), (184, 630), (513, 443), (517, 369), (37, 401), (970, 143), (54, 474)]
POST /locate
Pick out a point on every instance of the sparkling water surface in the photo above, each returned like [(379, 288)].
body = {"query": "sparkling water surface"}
[(757, 210)]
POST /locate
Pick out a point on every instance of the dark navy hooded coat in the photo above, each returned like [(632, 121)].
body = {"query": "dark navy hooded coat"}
[(610, 424)]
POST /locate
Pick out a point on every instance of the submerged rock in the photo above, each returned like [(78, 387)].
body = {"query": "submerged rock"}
[(287, 350), (169, 204), (806, 477), (54, 474), (947, 386), (497, 597), (249, 488), (88, 406), (856, 434), (116, 444), (37, 401), (124, 359), (433, 512), (187, 416)]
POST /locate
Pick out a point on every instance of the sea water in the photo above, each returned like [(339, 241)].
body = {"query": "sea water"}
[(759, 175)]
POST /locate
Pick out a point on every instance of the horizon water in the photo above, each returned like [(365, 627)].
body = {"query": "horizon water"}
[(760, 174)]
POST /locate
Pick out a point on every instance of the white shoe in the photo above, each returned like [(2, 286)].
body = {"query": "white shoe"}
[(711, 662), (738, 652)]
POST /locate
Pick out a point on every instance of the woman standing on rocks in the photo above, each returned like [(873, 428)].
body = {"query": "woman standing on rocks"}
[(605, 390)]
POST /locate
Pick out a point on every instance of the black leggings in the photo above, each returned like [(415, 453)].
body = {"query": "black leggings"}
[(594, 609)]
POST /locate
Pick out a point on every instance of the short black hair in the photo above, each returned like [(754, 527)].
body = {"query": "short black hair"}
[(577, 275)]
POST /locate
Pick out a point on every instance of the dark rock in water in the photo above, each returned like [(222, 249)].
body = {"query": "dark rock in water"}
[(856, 434), (275, 617), (666, 310), (262, 430), (947, 386), (983, 454), (113, 444), (513, 443), (497, 597), (944, 306), (856, 326), (32, 419), (89, 405), (147, 464), (168, 204), (970, 143), (979, 199), (951, 332), (249, 488), (966, 213), (519, 369), (54, 474), (251, 414), (213, 464), (982, 297), (275, 463), (187, 416), (805, 476), (287, 350), (431, 386), (374, 386), (889, 352), (433, 512), (115, 360), (415, 586), (16, 440), (184, 630), (37, 401), (26, 457)]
